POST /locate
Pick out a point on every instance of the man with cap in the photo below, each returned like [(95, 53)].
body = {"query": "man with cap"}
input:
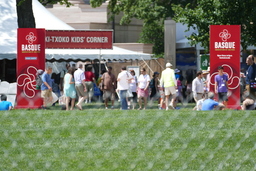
[(169, 82)]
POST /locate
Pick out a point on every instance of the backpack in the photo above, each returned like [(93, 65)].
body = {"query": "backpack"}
[(39, 82), (151, 83)]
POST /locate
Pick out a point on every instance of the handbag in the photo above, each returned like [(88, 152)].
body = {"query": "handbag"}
[(129, 93), (96, 90)]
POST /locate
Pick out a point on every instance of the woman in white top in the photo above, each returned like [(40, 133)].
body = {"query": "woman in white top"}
[(133, 88), (143, 83)]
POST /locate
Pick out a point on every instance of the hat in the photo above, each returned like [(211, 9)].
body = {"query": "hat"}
[(205, 72), (168, 64), (155, 73), (176, 70)]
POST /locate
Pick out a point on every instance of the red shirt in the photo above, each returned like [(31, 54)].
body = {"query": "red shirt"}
[(89, 75)]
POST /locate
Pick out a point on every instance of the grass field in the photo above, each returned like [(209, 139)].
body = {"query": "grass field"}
[(99, 139)]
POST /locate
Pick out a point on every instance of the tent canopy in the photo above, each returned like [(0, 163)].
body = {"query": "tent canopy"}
[(44, 19)]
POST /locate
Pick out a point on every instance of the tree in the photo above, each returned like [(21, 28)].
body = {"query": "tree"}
[(25, 12), (218, 12), (152, 12)]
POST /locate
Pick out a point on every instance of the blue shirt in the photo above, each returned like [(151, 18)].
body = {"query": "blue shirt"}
[(46, 78), (209, 104), (5, 105)]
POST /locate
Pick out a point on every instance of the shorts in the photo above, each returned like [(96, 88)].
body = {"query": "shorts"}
[(169, 91), (108, 94), (90, 88), (142, 93), (223, 97), (46, 93), (80, 90)]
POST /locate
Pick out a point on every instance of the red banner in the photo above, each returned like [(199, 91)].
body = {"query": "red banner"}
[(225, 51), (31, 57), (78, 39)]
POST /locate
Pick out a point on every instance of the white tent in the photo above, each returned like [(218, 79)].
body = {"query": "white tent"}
[(44, 19)]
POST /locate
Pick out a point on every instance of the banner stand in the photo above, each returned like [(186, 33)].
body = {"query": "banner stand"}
[(225, 51), (30, 58)]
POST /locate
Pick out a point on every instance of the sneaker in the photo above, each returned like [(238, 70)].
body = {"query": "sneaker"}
[(90, 101), (167, 108), (171, 107), (106, 107), (86, 101), (112, 107), (45, 108)]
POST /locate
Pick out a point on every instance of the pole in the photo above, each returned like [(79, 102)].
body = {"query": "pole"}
[(100, 62)]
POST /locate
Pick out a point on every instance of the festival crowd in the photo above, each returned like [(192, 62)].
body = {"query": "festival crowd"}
[(137, 93)]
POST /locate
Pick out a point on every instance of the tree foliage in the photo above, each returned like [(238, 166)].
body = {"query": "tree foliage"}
[(25, 12), (152, 12), (218, 12), (198, 14)]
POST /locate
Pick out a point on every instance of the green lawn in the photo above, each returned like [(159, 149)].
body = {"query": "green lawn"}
[(99, 139)]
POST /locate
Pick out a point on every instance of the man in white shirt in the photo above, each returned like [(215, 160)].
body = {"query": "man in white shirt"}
[(198, 87), (79, 78), (123, 80)]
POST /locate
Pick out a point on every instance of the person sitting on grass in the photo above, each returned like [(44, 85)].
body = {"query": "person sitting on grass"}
[(210, 104), (248, 102), (5, 105)]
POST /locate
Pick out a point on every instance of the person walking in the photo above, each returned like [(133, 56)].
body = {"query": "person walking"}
[(108, 81), (123, 80), (133, 88), (143, 88), (69, 89), (221, 86), (46, 87), (62, 74), (198, 87), (169, 82), (154, 95), (250, 75), (205, 81), (89, 81), (80, 86)]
